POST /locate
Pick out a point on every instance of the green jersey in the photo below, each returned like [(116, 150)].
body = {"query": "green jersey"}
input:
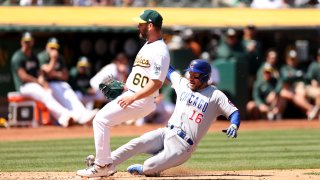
[(44, 58), (29, 64), (291, 75), (79, 82), (313, 71), (262, 88)]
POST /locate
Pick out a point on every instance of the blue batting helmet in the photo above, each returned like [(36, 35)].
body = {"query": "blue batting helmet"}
[(202, 67)]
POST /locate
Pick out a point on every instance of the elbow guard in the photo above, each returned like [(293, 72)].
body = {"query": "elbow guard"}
[(235, 118)]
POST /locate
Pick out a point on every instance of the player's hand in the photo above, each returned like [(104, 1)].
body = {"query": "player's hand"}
[(232, 131), (126, 101), (53, 54)]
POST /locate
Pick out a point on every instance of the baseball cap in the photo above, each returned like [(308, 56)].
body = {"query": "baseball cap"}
[(231, 32), (251, 26), (26, 36), (53, 43), (292, 54), (149, 16), (83, 62), (268, 68)]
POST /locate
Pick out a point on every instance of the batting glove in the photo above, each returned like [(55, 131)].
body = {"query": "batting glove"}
[(232, 131)]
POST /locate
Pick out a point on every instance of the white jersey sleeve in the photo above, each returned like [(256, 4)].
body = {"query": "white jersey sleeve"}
[(152, 62), (225, 106), (175, 78), (110, 69)]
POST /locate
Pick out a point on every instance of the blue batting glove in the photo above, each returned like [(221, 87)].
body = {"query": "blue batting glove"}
[(232, 131)]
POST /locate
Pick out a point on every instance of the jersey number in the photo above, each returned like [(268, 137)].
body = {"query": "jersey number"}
[(140, 80), (196, 118)]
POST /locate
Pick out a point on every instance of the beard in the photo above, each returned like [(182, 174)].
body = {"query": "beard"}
[(144, 34)]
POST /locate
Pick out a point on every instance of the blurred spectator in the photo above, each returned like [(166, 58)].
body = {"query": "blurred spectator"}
[(230, 48), (25, 71), (191, 43), (29, 2), (269, 4), (215, 75), (270, 59), (313, 86), (82, 2), (103, 2), (293, 88), (307, 3), (211, 42), (80, 82), (55, 72), (9, 2), (266, 101), (176, 41), (118, 68), (45, 2), (231, 3), (160, 115), (253, 49)]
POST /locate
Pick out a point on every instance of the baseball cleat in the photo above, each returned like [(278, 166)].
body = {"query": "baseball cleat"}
[(64, 120), (135, 169), (87, 116), (97, 171)]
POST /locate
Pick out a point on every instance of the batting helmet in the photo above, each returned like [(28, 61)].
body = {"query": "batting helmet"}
[(202, 67)]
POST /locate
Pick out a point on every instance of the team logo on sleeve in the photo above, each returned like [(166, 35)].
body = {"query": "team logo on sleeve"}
[(157, 68)]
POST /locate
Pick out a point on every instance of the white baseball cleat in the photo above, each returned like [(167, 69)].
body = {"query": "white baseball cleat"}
[(64, 120), (87, 116), (97, 171)]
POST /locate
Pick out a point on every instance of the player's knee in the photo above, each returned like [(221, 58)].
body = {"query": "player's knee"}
[(99, 119)]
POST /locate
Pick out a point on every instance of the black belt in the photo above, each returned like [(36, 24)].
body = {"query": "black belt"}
[(181, 134)]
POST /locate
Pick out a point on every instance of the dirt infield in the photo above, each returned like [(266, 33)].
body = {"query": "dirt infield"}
[(51, 132)]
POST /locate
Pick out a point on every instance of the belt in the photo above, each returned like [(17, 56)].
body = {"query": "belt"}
[(181, 134)]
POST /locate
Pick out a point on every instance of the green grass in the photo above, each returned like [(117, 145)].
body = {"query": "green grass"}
[(277, 149)]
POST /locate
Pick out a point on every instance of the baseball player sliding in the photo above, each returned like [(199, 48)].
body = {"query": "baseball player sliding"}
[(148, 73), (197, 106)]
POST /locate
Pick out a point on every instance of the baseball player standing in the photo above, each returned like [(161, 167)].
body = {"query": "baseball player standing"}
[(197, 106), (147, 76)]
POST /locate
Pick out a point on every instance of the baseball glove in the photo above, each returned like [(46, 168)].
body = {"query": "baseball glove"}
[(112, 88)]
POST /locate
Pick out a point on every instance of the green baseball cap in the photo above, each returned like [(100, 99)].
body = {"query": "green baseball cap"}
[(149, 16), (53, 43), (26, 36)]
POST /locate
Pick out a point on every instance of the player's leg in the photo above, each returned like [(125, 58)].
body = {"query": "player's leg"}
[(150, 142), (112, 114), (38, 93), (63, 92), (176, 151)]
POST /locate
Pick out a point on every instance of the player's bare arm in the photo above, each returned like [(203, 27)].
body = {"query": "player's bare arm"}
[(48, 68), (62, 75), (25, 77), (152, 86)]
